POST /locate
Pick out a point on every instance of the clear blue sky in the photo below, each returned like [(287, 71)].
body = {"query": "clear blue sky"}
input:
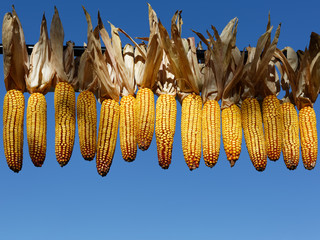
[(139, 200)]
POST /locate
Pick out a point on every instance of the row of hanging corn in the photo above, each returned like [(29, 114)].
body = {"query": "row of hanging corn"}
[(169, 68)]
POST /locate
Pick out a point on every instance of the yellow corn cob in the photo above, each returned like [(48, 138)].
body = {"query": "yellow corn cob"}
[(232, 132), (211, 132), (290, 140), (145, 117), (37, 128), (128, 141), (272, 126), (166, 113), (191, 115), (309, 137), (253, 132), (87, 124), (107, 135), (13, 113), (64, 102)]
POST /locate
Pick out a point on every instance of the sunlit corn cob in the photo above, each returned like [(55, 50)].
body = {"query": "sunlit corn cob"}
[(166, 114), (13, 113), (37, 128), (272, 126), (145, 117), (253, 132), (191, 115), (107, 135), (309, 137), (128, 141), (211, 132), (290, 139), (64, 102), (87, 124), (232, 132)]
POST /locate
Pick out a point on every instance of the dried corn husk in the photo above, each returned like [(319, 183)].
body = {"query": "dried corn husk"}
[(15, 55), (218, 60), (41, 71)]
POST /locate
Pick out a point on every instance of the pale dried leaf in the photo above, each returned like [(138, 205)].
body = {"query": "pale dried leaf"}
[(41, 71), (15, 55)]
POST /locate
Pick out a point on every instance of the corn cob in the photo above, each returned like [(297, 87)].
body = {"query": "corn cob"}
[(128, 141), (87, 124), (191, 115), (37, 128), (309, 137), (272, 126), (290, 140), (64, 102), (211, 133), (232, 132), (13, 113), (145, 117), (166, 111), (107, 135), (253, 132)]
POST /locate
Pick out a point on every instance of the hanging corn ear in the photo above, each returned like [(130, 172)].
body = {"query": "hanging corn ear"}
[(64, 103), (15, 69), (145, 117), (127, 131), (37, 128), (272, 126), (87, 124), (13, 113), (309, 137), (166, 113), (290, 139), (253, 132), (211, 133), (107, 135), (191, 115), (232, 132)]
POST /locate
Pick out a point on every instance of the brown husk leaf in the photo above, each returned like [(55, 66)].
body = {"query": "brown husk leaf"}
[(166, 83), (257, 66), (218, 60), (56, 38), (41, 71), (15, 55), (179, 54)]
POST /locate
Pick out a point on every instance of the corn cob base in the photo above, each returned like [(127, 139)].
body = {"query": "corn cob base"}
[(253, 133), (37, 128), (13, 113), (128, 140), (107, 135), (145, 117), (232, 132), (271, 113), (166, 112), (290, 142), (309, 137), (64, 102), (191, 115), (87, 124), (211, 132)]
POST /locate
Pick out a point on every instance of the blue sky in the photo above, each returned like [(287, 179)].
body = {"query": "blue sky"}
[(139, 200)]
